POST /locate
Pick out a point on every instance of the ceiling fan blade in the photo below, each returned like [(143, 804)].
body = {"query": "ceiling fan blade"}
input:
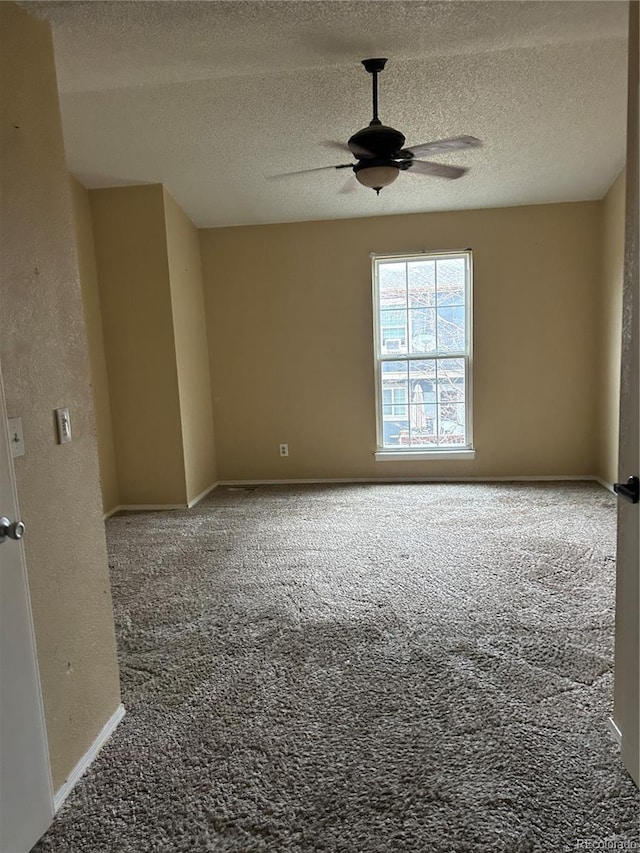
[(438, 170), (353, 148), (442, 146), (350, 186), (308, 171), (337, 146)]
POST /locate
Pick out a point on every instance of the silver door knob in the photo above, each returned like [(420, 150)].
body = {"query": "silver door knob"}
[(10, 529)]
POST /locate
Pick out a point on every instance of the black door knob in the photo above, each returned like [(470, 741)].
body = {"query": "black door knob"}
[(10, 529)]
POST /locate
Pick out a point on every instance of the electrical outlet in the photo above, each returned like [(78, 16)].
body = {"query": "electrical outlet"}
[(284, 450), (63, 422)]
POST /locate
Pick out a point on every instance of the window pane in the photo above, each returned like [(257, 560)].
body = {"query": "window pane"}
[(394, 366), (452, 423), (394, 381), (395, 414), (422, 325), (451, 380), (451, 334), (424, 368), (396, 400), (451, 366), (422, 399), (423, 419), (451, 281), (393, 331), (421, 278), (392, 284), (395, 432), (422, 381)]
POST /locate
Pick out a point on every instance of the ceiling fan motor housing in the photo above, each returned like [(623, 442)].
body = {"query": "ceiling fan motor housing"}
[(373, 163), (377, 141)]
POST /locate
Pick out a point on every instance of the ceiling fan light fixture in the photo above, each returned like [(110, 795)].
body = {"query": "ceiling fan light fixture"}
[(377, 177), (380, 153)]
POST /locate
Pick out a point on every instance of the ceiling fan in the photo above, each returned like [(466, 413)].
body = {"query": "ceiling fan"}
[(379, 149)]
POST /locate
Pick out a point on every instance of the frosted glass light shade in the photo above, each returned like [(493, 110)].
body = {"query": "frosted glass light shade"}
[(377, 177)]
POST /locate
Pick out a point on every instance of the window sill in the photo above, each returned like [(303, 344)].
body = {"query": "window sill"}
[(413, 455)]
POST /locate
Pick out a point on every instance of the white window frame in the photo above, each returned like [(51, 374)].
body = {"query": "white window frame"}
[(467, 450)]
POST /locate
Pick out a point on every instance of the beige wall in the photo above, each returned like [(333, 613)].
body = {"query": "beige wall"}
[(45, 363), (135, 298), (192, 355), (95, 341), (289, 318), (610, 319), (155, 339)]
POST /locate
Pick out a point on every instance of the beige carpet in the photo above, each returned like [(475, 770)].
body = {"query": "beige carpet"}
[(363, 669)]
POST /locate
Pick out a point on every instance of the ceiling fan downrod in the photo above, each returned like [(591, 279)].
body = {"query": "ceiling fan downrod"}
[(374, 66)]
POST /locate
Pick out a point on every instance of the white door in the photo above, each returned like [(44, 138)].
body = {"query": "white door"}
[(26, 801), (626, 712)]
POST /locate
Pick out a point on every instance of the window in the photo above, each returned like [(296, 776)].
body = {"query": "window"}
[(422, 317)]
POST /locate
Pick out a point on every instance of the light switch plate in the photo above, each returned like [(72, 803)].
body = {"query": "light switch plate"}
[(63, 422), (16, 438)]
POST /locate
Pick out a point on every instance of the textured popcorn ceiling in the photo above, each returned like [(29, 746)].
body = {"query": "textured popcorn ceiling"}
[(211, 97)]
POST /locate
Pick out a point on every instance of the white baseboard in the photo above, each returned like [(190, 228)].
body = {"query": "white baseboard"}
[(112, 512), (87, 759), (615, 731), (147, 507), (604, 483), (567, 478), (197, 499), (159, 507), (319, 480)]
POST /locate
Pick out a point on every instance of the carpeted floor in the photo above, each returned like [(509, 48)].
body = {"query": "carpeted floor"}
[(363, 669)]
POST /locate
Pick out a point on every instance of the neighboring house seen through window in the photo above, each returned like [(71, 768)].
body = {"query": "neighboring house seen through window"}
[(422, 311)]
